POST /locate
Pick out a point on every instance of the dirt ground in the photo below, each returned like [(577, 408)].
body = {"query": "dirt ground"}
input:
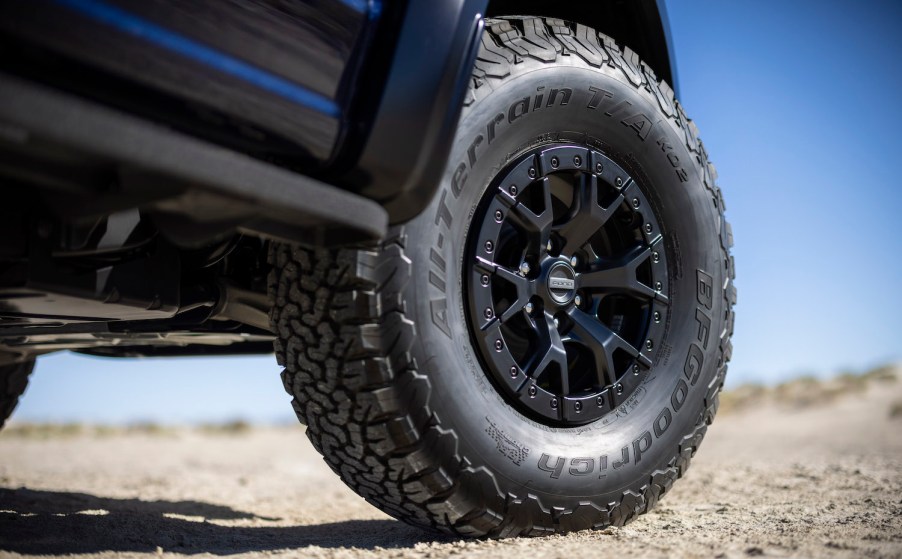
[(770, 480)]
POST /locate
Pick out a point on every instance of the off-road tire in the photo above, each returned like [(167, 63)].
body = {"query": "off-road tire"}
[(375, 345), (13, 380)]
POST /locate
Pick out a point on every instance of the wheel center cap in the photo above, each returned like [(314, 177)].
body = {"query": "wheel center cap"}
[(561, 283)]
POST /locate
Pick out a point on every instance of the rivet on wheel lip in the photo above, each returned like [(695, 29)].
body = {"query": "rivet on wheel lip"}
[(513, 190), (499, 345), (489, 246), (649, 345), (636, 203), (554, 403), (618, 181), (648, 228), (577, 160), (499, 216), (514, 372), (484, 279), (555, 162), (531, 172), (488, 313)]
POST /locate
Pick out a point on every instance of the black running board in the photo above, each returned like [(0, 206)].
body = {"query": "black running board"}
[(200, 187)]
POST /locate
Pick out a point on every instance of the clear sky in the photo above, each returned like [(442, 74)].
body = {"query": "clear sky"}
[(798, 102)]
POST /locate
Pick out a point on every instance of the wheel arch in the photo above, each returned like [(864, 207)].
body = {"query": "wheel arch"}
[(642, 25)]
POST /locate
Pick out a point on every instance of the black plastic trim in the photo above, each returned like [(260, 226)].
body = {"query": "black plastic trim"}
[(403, 159)]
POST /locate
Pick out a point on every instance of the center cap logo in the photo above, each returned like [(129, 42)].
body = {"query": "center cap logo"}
[(561, 282)]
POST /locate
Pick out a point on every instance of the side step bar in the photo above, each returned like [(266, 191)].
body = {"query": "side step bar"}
[(205, 189)]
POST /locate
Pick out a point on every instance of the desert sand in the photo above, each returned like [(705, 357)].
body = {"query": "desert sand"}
[(774, 477)]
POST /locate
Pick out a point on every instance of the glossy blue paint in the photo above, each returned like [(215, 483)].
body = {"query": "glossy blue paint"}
[(139, 27)]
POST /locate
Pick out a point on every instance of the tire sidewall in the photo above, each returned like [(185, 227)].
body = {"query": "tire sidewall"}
[(642, 434)]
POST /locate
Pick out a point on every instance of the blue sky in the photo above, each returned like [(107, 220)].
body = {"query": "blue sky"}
[(798, 102)]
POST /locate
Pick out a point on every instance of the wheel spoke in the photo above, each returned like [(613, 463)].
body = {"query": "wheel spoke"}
[(550, 350), (588, 217), (536, 226), (525, 290), (619, 276), (601, 341)]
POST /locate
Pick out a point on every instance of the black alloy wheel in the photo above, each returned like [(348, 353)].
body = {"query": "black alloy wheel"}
[(567, 284)]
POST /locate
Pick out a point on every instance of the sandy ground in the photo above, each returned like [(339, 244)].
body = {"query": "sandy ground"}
[(824, 481)]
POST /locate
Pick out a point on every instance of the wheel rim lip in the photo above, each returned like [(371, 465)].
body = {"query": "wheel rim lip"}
[(507, 375)]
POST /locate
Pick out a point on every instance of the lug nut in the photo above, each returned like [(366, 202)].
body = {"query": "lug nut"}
[(549, 245), (574, 261), (557, 324), (524, 268), (577, 301), (528, 308)]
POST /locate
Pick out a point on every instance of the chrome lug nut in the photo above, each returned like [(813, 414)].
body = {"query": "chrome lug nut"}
[(577, 301), (524, 268), (528, 308), (574, 261), (557, 324)]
